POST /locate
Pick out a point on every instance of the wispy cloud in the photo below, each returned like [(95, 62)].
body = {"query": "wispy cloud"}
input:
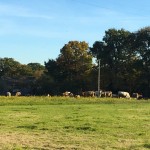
[(64, 25), (104, 17), (19, 11)]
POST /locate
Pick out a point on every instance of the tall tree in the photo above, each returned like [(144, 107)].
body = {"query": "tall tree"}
[(72, 66), (37, 69), (53, 70), (9, 67), (116, 56), (36, 66), (142, 47)]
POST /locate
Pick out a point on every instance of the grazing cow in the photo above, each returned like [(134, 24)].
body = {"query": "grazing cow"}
[(88, 94), (83, 94), (140, 96), (137, 96), (77, 96), (18, 93), (106, 94), (123, 94), (67, 94), (98, 93), (48, 95), (8, 94), (103, 94)]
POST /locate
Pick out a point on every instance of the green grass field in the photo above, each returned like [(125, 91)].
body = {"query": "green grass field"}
[(42, 123)]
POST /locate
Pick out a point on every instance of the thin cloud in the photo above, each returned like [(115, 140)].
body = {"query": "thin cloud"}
[(18, 11), (96, 19)]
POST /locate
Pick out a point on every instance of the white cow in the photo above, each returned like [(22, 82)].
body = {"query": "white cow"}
[(137, 95), (67, 94), (123, 94), (8, 94)]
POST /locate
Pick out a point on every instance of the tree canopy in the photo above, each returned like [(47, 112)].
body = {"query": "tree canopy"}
[(72, 66), (125, 59)]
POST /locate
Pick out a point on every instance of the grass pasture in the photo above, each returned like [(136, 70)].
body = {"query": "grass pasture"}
[(57, 123)]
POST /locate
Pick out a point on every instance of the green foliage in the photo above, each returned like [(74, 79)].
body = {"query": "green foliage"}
[(37, 69), (11, 68), (15, 75), (72, 68), (44, 85), (53, 69), (74, 59), (36, 66), (142, 46), (8, 66), (124, 60)]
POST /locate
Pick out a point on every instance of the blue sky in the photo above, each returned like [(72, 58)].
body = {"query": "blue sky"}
[(36, 30)]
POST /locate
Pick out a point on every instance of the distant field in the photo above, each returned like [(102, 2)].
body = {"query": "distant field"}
[(42, 123)]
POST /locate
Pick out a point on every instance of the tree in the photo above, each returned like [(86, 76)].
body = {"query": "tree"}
[(142, 46), (36, 66), (53, 70), (44, 85), (75, 59), (24, 71), (116, 57), (52, 78), (37, 69), (9, 67), (72, 67)]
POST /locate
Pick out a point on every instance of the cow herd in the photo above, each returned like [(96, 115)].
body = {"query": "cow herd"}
[(10, 94), (120, 94)]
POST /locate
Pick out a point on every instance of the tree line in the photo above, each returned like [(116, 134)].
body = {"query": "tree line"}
[(124, 65)]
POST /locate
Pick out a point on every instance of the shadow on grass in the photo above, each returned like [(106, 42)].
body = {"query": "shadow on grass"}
[(69, 127), (28, 127), (147, 146), (86, 128), (81, 128), (44, 129)]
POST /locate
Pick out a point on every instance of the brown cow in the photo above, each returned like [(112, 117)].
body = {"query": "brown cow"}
[(106, 94), (88, 94), (18, 93)]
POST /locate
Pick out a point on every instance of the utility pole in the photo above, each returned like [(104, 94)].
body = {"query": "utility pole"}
[(99, 63), (103, 44)]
